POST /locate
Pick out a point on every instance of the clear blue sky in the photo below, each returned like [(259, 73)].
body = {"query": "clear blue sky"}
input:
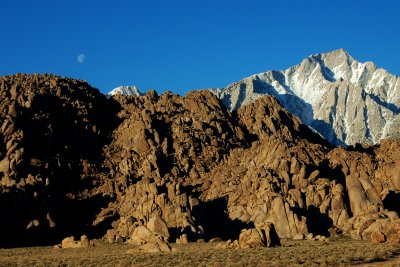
[(189, 44)]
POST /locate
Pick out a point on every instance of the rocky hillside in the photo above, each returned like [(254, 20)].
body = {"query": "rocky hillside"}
[(345, 101), (181, 168)]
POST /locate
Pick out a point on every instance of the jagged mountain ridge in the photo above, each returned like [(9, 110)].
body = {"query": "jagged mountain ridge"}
[(345, 101)]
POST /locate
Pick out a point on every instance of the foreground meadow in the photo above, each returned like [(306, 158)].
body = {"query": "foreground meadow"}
[(339, 251)]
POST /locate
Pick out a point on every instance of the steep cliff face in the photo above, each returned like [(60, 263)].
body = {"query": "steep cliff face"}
[(345, 101), (73, 161)]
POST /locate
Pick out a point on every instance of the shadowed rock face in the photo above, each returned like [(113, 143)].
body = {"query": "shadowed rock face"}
[(52, 133), (73, 162)]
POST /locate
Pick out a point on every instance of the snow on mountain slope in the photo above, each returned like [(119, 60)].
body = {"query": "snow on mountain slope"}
[(126, 90), (344, 100)]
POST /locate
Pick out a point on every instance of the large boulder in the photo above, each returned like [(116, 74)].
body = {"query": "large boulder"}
[(268, 234), (142, 235), (152, 247), (70, 242), (263, 235), (250, 238), (158, 226)]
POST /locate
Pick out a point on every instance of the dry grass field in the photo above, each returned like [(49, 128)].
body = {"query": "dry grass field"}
[(340, 251)]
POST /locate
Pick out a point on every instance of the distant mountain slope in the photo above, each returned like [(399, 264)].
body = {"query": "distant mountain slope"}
[(345, 101)]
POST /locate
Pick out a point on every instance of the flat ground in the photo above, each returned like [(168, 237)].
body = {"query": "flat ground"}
[(339, 251)]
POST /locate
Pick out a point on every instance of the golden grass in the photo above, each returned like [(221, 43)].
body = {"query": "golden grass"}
[(340, 251)]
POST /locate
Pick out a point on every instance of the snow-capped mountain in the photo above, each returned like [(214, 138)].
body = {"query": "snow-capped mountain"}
[(126, 90), (344, 100)]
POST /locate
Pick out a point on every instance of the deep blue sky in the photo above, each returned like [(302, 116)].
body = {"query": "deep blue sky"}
[(189, 44)]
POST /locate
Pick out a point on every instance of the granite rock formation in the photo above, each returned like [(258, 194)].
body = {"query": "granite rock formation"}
[(154, 169)]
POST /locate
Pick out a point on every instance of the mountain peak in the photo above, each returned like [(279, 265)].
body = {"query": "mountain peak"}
[(126, 90), (344, 100), (341, 52), (334, 58)]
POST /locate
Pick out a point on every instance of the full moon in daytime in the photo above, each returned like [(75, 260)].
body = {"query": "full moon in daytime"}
[(81, 58)]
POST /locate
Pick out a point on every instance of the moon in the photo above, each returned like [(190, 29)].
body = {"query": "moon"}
[(81, 58)]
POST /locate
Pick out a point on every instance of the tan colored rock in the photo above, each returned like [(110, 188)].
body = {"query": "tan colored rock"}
[(250, 238), (69, 242), (110, 235), (84, 242), (183, 158), (298, 237), (268, 234), (151, 247), (396, 175), (158, 226), (357, 196), (378, 237), (142, 235), (309, 236), (394, 239), (183, 239)]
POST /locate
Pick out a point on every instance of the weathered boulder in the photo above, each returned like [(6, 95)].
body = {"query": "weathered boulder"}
[(263, 235), (152, 247), (69, 242), (250, 238), (142, 235), (158, 226), (268, 234), (377, 237)]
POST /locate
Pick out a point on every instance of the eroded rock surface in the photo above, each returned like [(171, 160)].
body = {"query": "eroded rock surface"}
[(164, 168)]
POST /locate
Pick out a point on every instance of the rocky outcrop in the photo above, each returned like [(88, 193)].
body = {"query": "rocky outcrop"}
[(154, 169), (159, 152)]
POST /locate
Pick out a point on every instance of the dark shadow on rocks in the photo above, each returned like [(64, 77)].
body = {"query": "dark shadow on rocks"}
[(327, 131), (391, 201), (24, 218), (15, 207), (317, 222), (60, 139), (392, 107), (363, 148), (213, 216), (333, 174), (76, 216)]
